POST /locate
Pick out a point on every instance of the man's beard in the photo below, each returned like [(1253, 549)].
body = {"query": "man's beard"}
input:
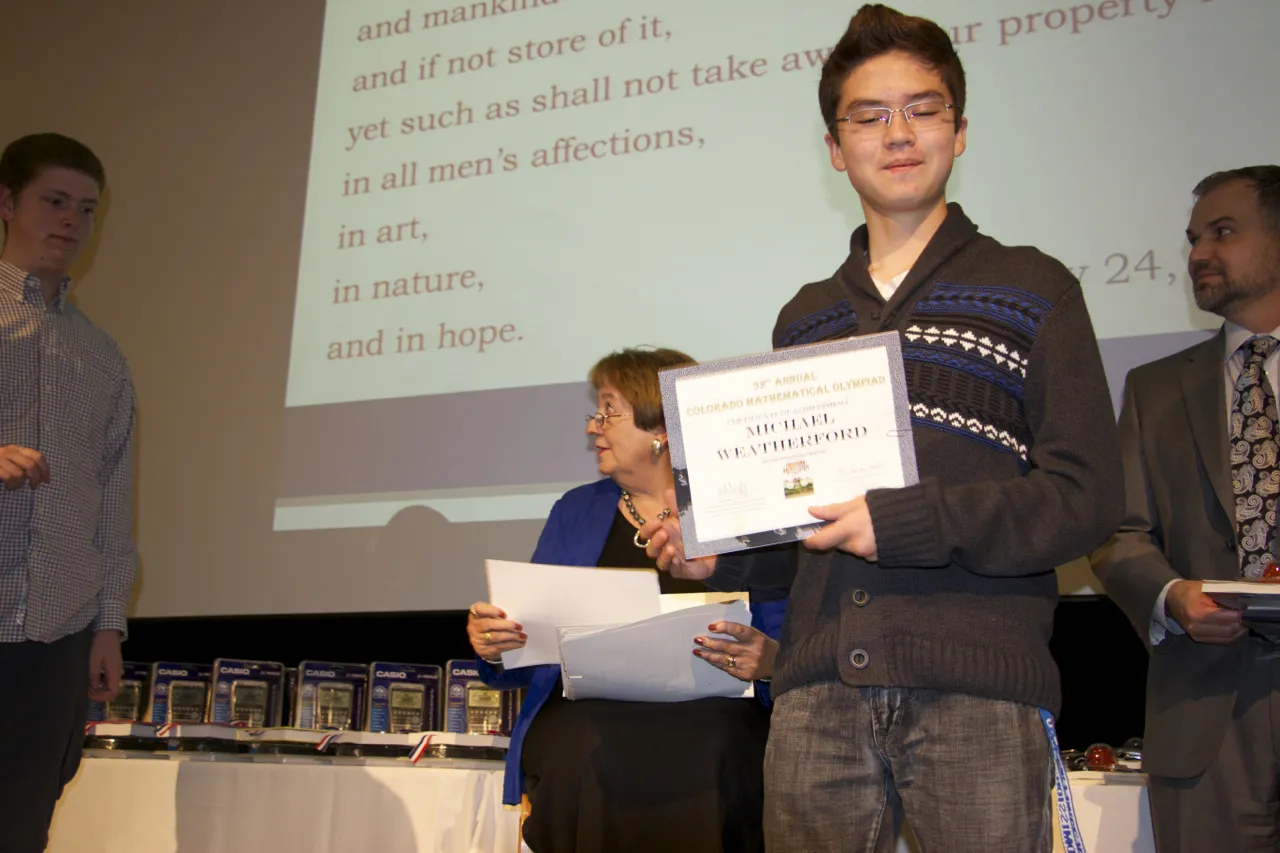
[(1232, 293)]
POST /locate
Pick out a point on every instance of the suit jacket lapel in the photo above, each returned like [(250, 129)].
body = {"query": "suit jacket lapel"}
[(1204, 394)]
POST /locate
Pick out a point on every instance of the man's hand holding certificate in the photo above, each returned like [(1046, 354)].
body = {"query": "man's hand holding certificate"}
[(768, 448)]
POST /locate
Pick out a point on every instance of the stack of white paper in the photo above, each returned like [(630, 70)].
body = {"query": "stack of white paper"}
[(1238, 595), (1258, 602), (651, 660), (543, 598), (612, 633)]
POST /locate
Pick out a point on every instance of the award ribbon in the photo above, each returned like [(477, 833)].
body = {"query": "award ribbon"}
[(420, 748)]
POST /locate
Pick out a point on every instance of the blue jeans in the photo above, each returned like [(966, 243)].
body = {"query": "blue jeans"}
[(844, 765)]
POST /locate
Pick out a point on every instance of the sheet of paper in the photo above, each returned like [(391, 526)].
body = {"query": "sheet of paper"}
[(543, 598), (673, 601), (651, 660), (757, 440)]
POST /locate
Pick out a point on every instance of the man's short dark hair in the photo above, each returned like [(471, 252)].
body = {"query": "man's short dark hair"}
[(23, 159), (878, 29), (1265, 181)]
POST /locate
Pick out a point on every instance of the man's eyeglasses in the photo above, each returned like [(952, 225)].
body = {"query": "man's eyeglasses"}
[(865, 121), (602, 420)]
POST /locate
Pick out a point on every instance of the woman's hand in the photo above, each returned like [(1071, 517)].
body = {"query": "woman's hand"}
[(749, 655), (492, 633), (664, 544)]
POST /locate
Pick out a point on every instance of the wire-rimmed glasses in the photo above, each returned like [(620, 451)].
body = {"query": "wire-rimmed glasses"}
[(868, 120)]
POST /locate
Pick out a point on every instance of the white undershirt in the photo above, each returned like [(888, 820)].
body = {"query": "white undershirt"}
[(888, 288)]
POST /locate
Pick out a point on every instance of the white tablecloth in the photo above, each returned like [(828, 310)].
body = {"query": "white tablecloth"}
[(1112, 811), (193, 805)]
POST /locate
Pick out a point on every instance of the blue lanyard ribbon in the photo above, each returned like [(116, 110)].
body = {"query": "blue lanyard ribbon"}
[(1072, 838)]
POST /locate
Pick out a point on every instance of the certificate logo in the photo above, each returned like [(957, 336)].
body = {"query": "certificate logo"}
[(796, 481)]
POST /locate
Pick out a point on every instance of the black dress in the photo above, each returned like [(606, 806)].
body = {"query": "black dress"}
[(617, 777)]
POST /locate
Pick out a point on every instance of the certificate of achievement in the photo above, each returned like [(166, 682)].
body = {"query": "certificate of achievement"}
[(757, 440)]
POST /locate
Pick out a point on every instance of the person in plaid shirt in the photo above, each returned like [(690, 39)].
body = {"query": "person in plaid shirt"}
[(67, 555)]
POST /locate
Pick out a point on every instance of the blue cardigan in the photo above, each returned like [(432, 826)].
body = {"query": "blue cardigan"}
[(574, 535)]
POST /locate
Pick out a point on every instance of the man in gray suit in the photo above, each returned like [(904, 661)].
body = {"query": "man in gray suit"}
[(1200, 443)]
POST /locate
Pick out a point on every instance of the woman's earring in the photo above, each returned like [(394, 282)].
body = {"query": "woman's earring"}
[(657, 447)]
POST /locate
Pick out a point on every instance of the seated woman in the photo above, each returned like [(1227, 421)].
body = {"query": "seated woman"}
[(632, 776)]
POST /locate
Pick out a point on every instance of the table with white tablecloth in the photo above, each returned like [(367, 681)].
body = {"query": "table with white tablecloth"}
[(194, 804), (198, 805), (1111, 810)]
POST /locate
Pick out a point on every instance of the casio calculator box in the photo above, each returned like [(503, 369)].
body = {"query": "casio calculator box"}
[(473, 707), (511, 702), (403, 697), (290, 695), (330, 695), (131, 702), (247, 691), (179, 692)]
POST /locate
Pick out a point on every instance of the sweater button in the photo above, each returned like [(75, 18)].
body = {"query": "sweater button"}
[(859, 659), (860, 597), (875, 315), (1229, 543)]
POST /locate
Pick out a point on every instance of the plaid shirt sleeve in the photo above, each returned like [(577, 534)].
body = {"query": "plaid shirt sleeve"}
[(114, 535)]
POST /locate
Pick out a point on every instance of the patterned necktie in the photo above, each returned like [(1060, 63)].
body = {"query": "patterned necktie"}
[(1255, 477)]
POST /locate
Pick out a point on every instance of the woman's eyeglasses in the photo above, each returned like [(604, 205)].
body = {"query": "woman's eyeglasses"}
[(602, 420)]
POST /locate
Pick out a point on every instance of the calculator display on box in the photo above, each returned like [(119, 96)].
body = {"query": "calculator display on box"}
[(128, 702), (406, 704), (484, 708), (334, 702), (249, 702), (186, 702)]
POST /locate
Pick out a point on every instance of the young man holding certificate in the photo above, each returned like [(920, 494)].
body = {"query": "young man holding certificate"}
[(915, 675)]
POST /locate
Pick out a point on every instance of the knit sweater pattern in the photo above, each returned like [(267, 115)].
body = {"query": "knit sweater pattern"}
[(1019, 465)]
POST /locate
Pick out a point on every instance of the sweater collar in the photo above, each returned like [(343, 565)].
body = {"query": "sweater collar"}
[(952, 235)]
